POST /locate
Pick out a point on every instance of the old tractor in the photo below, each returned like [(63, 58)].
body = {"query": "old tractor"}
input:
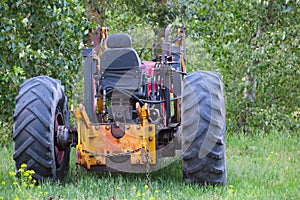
[(136, 114)]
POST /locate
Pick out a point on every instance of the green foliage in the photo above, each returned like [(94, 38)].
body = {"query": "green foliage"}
[(255, 46), (5, 133), (121, 14), (39, 38)]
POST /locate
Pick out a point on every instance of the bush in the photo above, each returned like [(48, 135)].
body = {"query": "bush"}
[(254, 45), (39, 38)]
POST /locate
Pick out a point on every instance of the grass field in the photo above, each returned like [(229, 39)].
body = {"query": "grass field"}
[(260, 166)]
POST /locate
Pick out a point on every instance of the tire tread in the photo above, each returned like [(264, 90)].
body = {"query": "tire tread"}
[(204, 159), (33, 133)]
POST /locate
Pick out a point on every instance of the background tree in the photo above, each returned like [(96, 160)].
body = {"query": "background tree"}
[(38, 38), (253, 44)]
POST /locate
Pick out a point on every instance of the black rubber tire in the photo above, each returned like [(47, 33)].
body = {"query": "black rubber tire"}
[(41, 106), (203, 129)]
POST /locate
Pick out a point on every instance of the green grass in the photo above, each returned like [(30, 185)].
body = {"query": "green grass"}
[(260, 166)]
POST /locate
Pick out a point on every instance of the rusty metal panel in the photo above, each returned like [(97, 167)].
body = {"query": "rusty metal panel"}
[(96, 142)]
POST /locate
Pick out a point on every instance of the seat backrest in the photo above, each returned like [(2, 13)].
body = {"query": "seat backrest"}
[(120, 66)]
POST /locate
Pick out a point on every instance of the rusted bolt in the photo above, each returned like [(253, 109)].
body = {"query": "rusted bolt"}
[(150, 139), (107, 127), (138, 127), (98, 162), (97, 127), (127, 127), (138, 161)]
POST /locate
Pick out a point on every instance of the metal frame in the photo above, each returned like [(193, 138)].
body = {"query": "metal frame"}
[(96, 145)]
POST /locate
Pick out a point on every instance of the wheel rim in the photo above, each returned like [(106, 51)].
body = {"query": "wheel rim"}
[(59, 156), (58, 121)]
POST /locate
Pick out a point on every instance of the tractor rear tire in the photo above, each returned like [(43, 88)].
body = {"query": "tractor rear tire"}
[(203, 129), (41, 107)]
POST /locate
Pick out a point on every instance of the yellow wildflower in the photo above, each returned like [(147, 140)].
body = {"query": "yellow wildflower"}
[(12, 173), (230, 191), (146, 186), (26, 174), (156, 191), (3, 183), (133, 187), (168, 191), (138, 194), (24, 165), (152, 198)]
